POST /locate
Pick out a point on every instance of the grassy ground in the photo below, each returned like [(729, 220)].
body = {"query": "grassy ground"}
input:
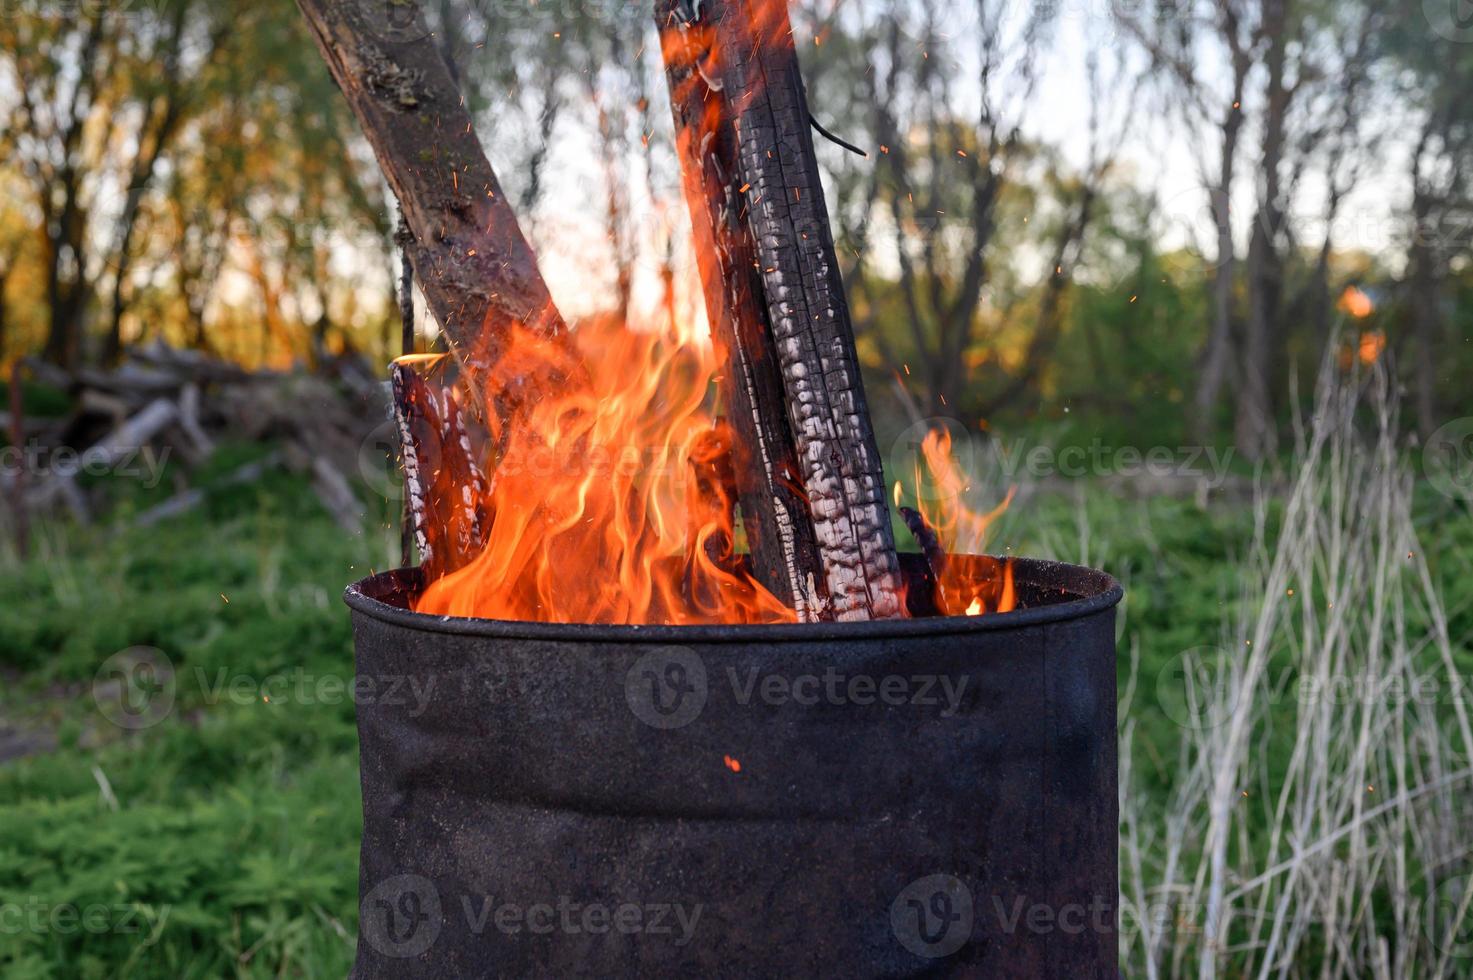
[(222, 840)]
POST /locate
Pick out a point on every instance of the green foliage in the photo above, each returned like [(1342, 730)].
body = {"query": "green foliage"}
[(37, 401)]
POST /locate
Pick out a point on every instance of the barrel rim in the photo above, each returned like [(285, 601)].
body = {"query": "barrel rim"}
[(1096, 591)]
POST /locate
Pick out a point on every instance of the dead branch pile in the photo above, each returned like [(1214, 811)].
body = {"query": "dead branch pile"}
[(164, 405)]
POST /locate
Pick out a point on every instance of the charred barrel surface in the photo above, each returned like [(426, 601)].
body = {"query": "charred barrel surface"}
[(922, 797)]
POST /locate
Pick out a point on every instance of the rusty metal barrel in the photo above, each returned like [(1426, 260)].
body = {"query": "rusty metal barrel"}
[(927, 797)]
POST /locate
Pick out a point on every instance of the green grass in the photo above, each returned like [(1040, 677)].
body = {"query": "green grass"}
[(226, 842), (223, 840)]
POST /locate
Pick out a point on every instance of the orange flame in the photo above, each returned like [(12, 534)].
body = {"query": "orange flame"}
[(1372, 343), (972, 588), (593, 511), (608, 497)]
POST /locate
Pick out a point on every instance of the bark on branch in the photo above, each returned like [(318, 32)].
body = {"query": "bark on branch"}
[(476, 270)]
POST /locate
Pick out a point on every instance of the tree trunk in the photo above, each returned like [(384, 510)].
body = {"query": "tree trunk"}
[(1426, 281), (65, 287), (141, 175), (1254, 424), (1217, 356)]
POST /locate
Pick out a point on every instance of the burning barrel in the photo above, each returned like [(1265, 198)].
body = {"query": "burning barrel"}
[(929, 796)]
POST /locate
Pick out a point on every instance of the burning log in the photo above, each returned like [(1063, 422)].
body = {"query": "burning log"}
[(445, 487), (477, 272), (752, 152), (780, 537), (805, 464), (933, 557)]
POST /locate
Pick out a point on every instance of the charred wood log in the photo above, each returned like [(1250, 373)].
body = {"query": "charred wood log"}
[(446, 490), (477, 272), (403, 237), (755, 88), (934, 555), (926, 539), (780, 539)]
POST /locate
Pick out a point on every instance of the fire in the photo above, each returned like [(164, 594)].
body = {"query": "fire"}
[(972, 588), (608, 499), (1372, 343), (607, 496), (602, 504)]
